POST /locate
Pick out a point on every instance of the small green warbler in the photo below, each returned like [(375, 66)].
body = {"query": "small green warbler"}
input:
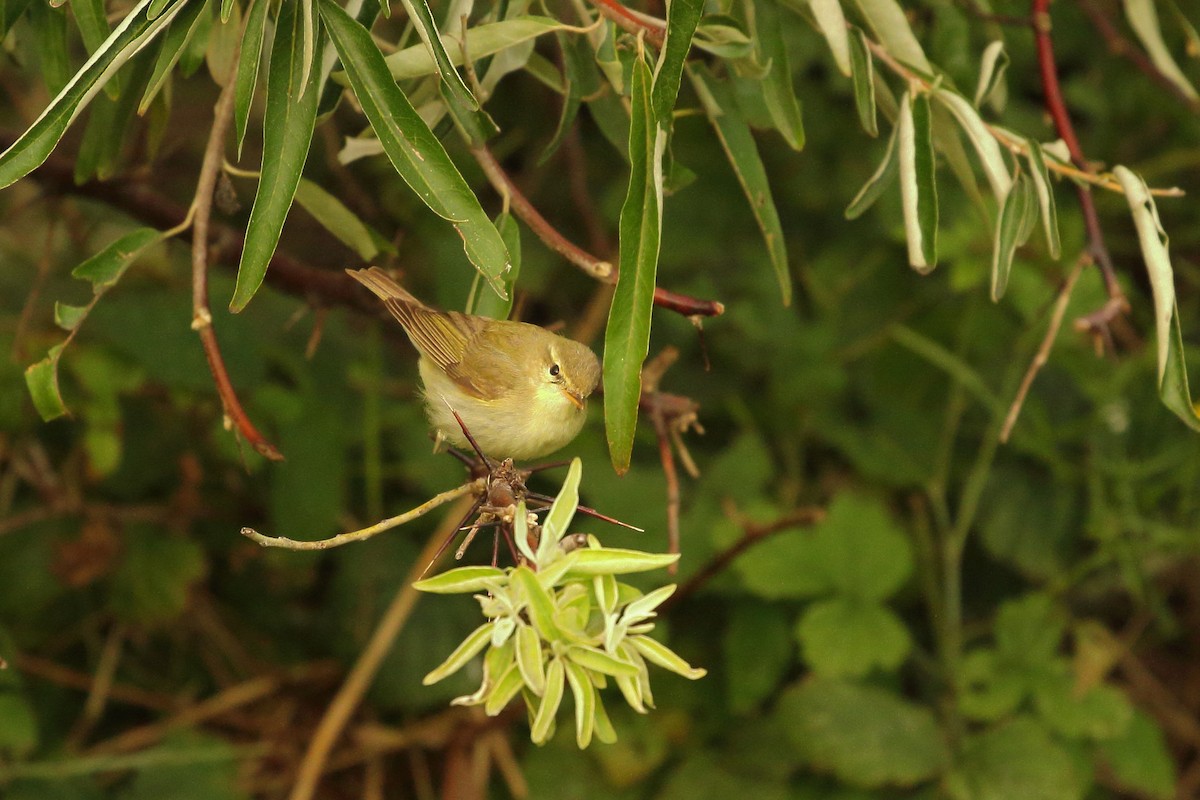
[(521, 390)]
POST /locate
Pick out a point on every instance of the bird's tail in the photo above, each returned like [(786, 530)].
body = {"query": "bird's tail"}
[(384, 287)]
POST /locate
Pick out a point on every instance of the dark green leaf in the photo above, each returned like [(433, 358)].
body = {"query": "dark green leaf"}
[(682, 18), (413, 149), (742, 152), (42, 381), (109, 124), (334, 217), (1045, 196), (627, 335), (1017, 759), (864, 735), (67, 317), (579, 78), (50, 33), (918, 186), (287, 134), (485, 302), (249, 60), (106, 267), (778, 92), (847, 638), (1017, 219), (181, 31), (35, 144), (863, 72), (93, 28), (860, 549)]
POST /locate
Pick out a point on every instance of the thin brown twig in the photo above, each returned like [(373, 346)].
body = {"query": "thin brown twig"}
[(598, 268), (1057, 107), (652, 373), (1119, 46), (630, 22), (201, 314), (751, 535), (51, 672), (98, 694), (470, 488), (1043, 351), (359, 680)]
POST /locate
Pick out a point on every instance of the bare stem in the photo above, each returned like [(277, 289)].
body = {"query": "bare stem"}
[(471, 487)]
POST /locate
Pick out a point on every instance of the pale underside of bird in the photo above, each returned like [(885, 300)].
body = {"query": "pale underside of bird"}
[(520, 390)]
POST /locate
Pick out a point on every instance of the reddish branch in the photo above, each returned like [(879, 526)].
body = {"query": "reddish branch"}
[(628, 21), (201, 314), (598, 268), (1096, 248)]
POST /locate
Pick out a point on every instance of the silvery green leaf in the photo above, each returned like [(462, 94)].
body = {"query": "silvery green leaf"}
[(462, 579), (991, 73), (644, 607), (617, 561), (548, 708), (1017, 219), (585, 703), (599, 661), (918, 188), (984, 143), (884, 174), (529, 659), (832, 23), (470, 647), (558, 518), (666, 658), (890, 24), (1143, 18), (503, 691), (1045, 194)]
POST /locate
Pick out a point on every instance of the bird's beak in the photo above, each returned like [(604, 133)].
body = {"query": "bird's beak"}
[(575, 399)]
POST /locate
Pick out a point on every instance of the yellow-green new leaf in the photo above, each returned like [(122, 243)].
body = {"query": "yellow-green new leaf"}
[(529, 659), (504, 690), (1172, 367), (616, 561), (585, 703), (832, 23), (471, 646), (463, 580), (540, 604), (599, 661), (562, 511), (42, 381), (551, 699), (665, 657)]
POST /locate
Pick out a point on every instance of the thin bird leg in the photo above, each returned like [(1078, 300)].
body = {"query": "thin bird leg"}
[(591, 512), (453, 532), (543, 467), (512, 547), (496, 546)]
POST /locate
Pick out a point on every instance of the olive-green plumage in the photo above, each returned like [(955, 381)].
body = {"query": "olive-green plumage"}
[(521, 390)]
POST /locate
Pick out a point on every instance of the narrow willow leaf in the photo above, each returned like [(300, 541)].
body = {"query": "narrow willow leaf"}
[(992, 67), (579, 79), (541, 604), (742, 152), (682, 18), (156, 8), (223, 41), (723, 36), (1172, 366), (42, 381), (471, 646), (364, 12), (780, 96), (106, 267), (918, 187), (984, 143), (521, 531), (413, 149), (227, 7), (192, 56), (887, 19), (617, 561), (288, 124), (483, 301), (464, 108), (658, 653), (863, 71), (1045, 194), (482, 40), (463, 580), (885, 173), (1143, 18), (93, 28), (334, 217), (38, 141), (49, 25), (182, 29), (585, 703), (643, 608), (832, 24), (627, 335), (504, 691), (599, 661), (308, 54), (551, 699), (529, 659), (247, 70), (601, 724), (558, 519), (1017, 219), (68, 317)]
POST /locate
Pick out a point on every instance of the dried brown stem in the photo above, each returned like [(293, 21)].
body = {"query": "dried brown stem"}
[(360, 677), (201, 314), (470, 488), (751, 535), (598, 268), (1043, 351), (652, 373)]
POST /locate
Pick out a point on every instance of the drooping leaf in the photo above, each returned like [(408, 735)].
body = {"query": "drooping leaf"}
[(248, 63), (413, 149), (992, 67), (106, 267), (918, 183), (740, 148), (1143, 18), (287, 135), (863, 72), (93, 28), (884, 174), (34, 146), (1172, 365), (1017, 219), (337, 219), (832, 23), (682, 18), (985, 144), (579, 79), (471, 646), (627, 335), (887, 19), (482, 300), (176, 40), (780, 96), (42, 381), (49, 22), (482, 40), (1045, 197)]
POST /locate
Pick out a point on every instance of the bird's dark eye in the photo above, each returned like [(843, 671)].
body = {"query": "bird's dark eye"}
[(554, 371)]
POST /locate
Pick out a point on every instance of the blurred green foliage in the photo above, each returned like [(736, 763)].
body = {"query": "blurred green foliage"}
[(967, 620)]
